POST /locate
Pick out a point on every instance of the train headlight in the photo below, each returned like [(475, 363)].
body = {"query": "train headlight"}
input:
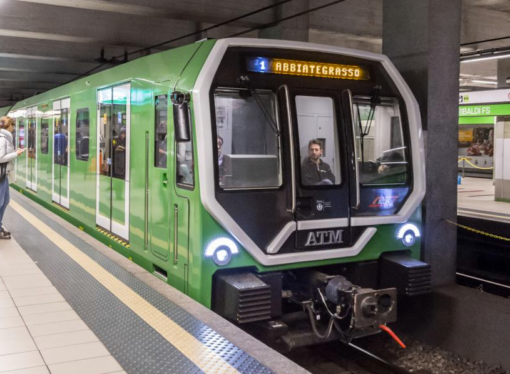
[(221, 250), (408, 234)]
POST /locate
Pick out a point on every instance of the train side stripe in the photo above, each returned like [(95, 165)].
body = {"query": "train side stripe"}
[(198, 353)]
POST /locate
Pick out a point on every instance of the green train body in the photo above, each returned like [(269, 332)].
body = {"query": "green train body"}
[(4, 110), (163, 212)]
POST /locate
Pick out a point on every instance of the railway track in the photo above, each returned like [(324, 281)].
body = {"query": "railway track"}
[(378, 364), (338, 358)]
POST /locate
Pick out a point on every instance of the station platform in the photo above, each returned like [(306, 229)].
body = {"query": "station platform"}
[(483, 238), (70, 304), (476, 200)]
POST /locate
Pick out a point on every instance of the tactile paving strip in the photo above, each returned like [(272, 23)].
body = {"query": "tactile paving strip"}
[(136, 346)]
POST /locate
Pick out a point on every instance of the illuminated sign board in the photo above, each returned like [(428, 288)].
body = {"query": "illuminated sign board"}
[(306, 68)]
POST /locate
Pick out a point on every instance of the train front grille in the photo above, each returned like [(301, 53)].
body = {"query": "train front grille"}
[(242, 297)]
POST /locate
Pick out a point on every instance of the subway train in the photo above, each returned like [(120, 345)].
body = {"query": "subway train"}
[(278, 183)]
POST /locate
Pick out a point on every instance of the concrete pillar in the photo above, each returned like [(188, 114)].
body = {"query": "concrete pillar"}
[(502, 159), (293, 29), (503, 72), (422, 38)]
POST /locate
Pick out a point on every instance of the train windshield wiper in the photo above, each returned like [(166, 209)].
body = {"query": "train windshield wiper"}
[(375, 99), (245, 81)]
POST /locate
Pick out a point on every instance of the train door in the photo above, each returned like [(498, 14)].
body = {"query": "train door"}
[(158, 188), (31, 182), (113, 151), (320, 200), (182, 194), (61, 171)]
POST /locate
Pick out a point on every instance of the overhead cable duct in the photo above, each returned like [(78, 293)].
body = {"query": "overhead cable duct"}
[(148, 49), (271, 24)]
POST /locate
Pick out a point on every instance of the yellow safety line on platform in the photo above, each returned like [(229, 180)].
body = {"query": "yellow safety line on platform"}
[(187, 344), (479, 231)]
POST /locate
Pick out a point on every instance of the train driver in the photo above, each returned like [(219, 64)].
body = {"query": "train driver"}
[(314, 171)]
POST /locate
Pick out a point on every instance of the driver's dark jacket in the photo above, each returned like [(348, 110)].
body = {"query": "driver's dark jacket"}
[(312, 173)]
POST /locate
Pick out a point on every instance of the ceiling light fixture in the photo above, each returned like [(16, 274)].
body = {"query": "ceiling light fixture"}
[(483, 81), (485, 54), (484, 58)]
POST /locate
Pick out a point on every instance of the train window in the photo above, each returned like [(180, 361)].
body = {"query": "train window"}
[(45, 125), (184, 162), (380, 142), (82, 134), (161, 130), (318, 141), (248, 147), (21, 129)]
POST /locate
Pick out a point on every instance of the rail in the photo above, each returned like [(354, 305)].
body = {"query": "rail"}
[(383, 366)]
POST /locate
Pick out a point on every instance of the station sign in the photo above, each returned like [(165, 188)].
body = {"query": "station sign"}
[(306, 68), (484, 110), (479, 97)]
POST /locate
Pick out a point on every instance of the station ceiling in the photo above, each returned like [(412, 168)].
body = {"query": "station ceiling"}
[(45, 43)]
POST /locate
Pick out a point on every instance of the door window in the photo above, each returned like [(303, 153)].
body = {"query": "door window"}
[(21, 128), (61, 134), (45, 124), (82, 134), (113, 142), (105, 138), (161, 131), (31, 138), (318, 141), (248, 146), (119, 133), (380, 143), (184, 166)]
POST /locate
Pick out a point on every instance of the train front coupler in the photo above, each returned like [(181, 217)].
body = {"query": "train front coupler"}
[(350, 311)]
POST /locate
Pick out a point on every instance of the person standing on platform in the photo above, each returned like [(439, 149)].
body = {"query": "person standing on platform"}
[(7, 156)]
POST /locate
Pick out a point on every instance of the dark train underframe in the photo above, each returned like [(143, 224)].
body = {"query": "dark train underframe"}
[(302, 307)]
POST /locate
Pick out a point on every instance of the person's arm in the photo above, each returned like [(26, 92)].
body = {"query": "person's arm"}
[(6, 157), (330, 175)]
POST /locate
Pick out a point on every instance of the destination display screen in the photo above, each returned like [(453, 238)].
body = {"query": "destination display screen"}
[(306, 68)]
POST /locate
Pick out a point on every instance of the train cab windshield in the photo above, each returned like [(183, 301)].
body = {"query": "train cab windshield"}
[(248, 147), (380, 142)]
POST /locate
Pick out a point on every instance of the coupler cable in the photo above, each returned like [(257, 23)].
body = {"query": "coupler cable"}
[(314, 327), (393, 335)]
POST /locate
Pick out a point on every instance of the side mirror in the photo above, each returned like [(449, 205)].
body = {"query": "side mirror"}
[(182, 120)]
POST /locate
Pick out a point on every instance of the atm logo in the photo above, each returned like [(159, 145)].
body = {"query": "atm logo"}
[(324, 237), (387, 202)]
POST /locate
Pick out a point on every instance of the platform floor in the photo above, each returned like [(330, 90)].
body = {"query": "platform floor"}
[(475, 199), (39, 331), (69, 304)]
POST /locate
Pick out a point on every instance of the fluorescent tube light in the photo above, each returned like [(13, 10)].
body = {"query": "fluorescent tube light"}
[(486, 57), (483, 81)]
